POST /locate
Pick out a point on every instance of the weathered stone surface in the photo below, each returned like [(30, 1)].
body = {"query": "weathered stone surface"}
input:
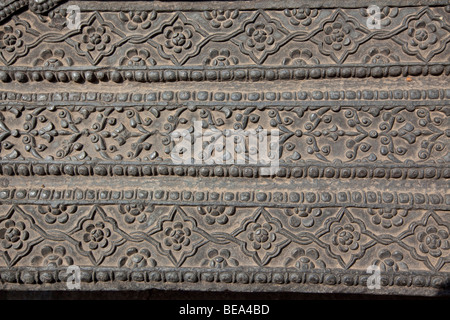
[(87, 117)]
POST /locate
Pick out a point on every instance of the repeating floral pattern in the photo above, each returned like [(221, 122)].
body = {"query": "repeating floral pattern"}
[(177, 38), (83, 133), (293, 236), (258, 237)]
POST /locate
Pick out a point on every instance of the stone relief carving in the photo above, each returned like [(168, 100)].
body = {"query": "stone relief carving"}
[(87, 116)]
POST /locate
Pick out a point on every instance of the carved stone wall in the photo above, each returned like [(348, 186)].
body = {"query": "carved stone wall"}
[(86, 122)]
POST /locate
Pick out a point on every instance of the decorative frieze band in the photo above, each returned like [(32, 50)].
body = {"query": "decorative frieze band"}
[(212, 43), (305, 170), (129, 133), (242, 198), (165, 74), (350, 119), (365, 97), (312, 280)]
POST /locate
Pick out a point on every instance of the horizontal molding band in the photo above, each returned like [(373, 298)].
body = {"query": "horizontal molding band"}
[(243, 276), (280, 199), (331, 171), (199, 74), (415, 97)]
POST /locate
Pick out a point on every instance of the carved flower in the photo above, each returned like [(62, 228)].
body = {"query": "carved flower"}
[(96, 235), (53, 59), (52, 257), (220, 259), (409, 133), (299, 57), (135, 19), (177, 236), (422, 35), (13, 235), (262, 37), (220, 58), (388, 217), (428, 240), (221, 18), (259, 35), (133, 212), (305, 260), (178, 38), (346, 237), (302, 216), (95, 38), (137, 58), (10, 39), (338, 35), (136, 258), (217, 214), (383, 17), (380, 56), (261, 236), (301, 15), (433, 240), (121, 134), (58, 18), (390, 261), (57, 212)]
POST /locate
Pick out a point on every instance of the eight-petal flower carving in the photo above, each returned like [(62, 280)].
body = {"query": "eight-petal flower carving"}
[(429, 240), (346, 238), (340, 36), (260, 237), (425, 37)]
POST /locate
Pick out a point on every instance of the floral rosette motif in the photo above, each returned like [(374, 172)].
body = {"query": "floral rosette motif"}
[(135, 57), (219, 259), (429, 240), (97, 236), (177, 237), (260, 237), (261, 38), (221, 18), (305, 259), (216, 214), (421, 39), (303, 16), (13, 235), (300, 57), (339, 37), (57, 212), (390, 261), (17, 237), (137, 19), (14, 37), (96, 39), (178, 38), (346, 238), (53, 59), (376, 15), (137, 258), (220, 58), (380, 56), (53, 257)]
